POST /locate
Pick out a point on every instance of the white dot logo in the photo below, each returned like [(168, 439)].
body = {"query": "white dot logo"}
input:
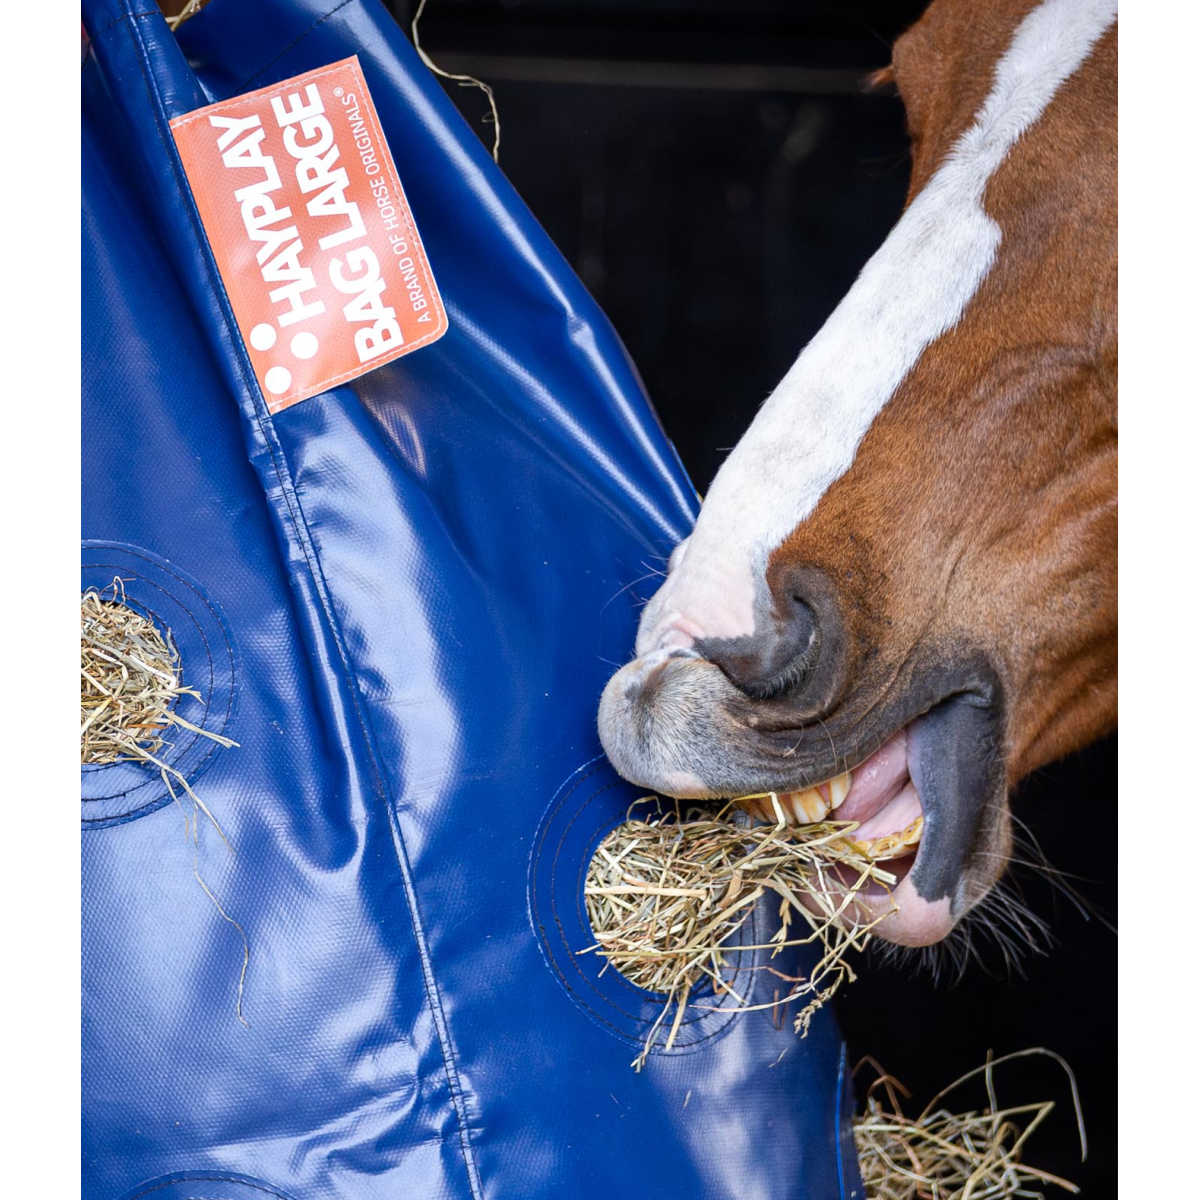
[(304, 344), (278, 380), (262, 337)]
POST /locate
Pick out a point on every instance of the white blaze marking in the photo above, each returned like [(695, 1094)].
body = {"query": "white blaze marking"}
[(912, 290)]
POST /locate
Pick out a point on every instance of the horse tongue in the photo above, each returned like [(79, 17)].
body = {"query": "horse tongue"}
[(898, 815), (876, 782)]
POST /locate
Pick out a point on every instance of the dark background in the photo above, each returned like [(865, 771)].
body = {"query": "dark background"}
[(717, 175)]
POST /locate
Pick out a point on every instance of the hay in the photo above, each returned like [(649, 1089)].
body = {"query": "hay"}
[(130, 681), (190, 9), (944, 1155), (461, 80), (667, 896), (129, 686)]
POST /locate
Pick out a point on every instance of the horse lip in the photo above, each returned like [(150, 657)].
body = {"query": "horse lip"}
[(953, 761), (956, 763), (954, 758), (672, 712), (688, 734)]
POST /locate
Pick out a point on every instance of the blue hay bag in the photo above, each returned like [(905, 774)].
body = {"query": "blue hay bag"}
[(401, 599)]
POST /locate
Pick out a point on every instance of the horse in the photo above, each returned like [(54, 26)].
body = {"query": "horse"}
[(899, 596)]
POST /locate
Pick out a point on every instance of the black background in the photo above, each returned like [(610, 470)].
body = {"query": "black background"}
[(717, 176)]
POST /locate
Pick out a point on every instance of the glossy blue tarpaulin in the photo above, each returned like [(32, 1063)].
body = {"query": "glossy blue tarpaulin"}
[(401, 599)]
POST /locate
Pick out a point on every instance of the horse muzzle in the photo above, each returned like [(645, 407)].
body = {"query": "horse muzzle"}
[(922, 774)]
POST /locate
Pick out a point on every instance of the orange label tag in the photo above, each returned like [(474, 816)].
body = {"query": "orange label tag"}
[(311, 232)]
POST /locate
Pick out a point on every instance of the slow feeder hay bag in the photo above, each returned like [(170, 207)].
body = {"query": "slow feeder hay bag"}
[(376, 581)]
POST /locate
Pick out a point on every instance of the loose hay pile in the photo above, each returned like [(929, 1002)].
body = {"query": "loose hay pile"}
[(944, 1155), (129, 688), (667, 896)]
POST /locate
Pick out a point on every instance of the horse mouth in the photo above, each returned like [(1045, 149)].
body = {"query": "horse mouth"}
[(927, 794), (879, 795), (881, 799)]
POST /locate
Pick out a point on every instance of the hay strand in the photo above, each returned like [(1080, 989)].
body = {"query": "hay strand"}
[(461, 80), (667, 896), (190, 9), (944, 1155)]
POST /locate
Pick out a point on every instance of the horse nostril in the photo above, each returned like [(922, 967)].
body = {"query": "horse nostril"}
[(804, 620), (797, 644)]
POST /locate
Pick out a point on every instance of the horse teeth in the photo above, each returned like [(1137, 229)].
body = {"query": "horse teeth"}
[(839, 789), (891, 844), (911, 835), (808, 805), (760, 807), (803, 807)]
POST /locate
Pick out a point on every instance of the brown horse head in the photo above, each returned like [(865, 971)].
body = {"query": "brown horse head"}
[(905, 570)]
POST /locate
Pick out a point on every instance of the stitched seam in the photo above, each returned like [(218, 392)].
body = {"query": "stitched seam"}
[(303, 536), (576, 890), (192, 738), (581, 914), (561, 975), (270, 92), (94, 768), (141, 15), (178, 1179)]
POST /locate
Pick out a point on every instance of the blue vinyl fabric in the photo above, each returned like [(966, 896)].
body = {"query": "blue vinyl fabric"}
[(401, 598)]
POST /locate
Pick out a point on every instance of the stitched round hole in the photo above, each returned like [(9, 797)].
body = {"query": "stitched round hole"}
[(588, 806), (173, 602)]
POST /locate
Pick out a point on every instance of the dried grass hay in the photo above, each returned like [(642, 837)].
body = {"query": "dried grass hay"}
[(667, 895), (945, 1155), (129, 681), (130, 684), (189, 9)]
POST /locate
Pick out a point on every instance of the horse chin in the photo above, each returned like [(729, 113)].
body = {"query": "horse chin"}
[(929, 797)]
